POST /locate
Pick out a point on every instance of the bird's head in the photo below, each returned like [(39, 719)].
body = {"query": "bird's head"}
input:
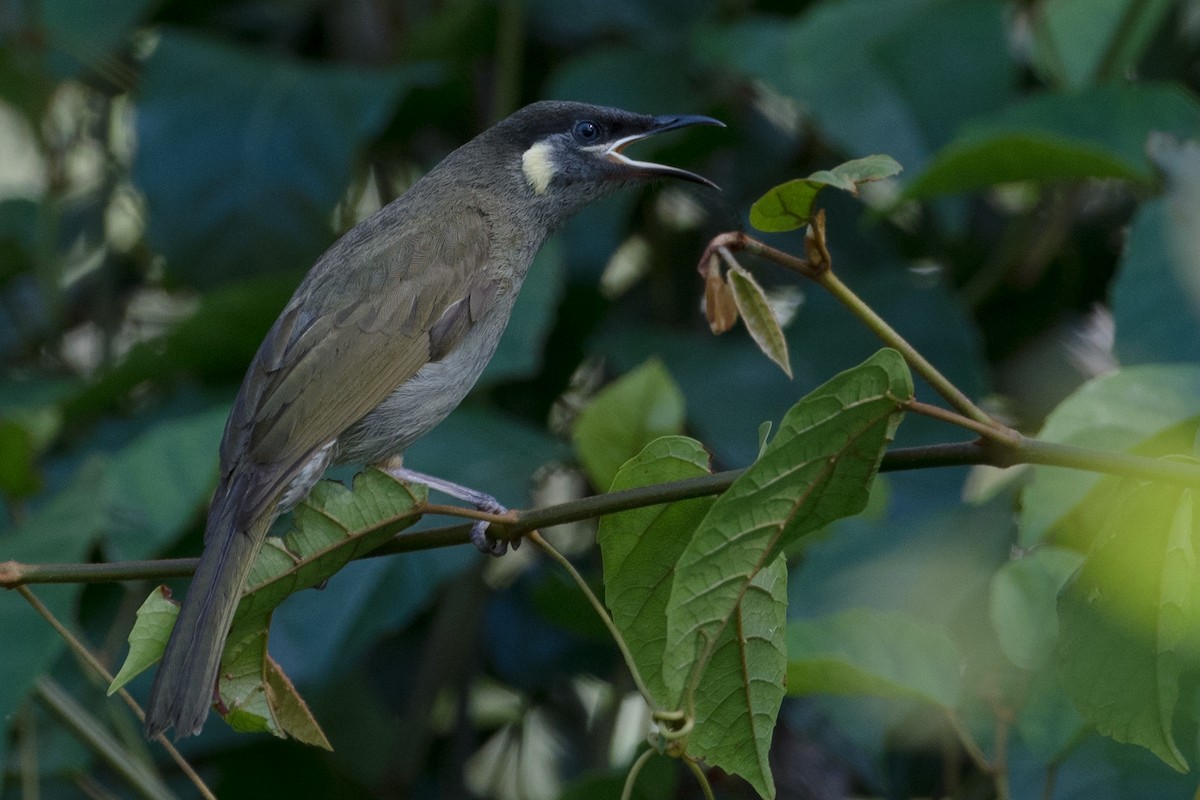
[(569, 154)]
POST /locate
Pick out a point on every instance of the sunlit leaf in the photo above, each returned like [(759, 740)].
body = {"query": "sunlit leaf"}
[(1129, 618), (148, 637)]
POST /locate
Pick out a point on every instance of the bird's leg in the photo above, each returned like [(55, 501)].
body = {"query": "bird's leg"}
[(481, 501)]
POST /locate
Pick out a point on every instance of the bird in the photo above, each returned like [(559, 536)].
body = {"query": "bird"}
[(383, 338)]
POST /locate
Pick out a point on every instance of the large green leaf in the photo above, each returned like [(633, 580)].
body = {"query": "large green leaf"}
[(1156, 297), (1078, 42), (1129, 619), (161, 480), (1114, 412), (1024, 604), (255, 191), (63, 530), (865, 652), (738, 699), (1096, 133), (818, 468), (640, 548), (623, 418)]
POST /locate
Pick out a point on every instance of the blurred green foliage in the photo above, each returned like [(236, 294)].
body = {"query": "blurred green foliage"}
[(168, 171)]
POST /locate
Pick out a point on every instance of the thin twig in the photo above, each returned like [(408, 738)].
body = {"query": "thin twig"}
[(81, 650), (600, 610)]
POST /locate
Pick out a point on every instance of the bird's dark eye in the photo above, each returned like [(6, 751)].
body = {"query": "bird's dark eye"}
[(586, 130)]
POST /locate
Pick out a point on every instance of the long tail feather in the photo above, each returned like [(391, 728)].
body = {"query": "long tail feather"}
[(183, 686)]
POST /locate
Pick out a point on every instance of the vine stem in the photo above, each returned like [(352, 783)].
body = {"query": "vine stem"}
[(822, 274), (634, 771), (701, 777), (601, 611), (84, 654)]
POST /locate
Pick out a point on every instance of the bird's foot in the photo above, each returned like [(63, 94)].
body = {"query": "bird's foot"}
[(482, 502)]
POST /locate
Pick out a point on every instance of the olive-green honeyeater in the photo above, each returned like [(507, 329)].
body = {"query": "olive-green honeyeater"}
[(383, 338)]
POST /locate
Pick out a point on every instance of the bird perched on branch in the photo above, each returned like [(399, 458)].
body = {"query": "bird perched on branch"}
[(382, 340)]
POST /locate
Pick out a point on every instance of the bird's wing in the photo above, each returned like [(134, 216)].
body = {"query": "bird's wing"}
[(376, 308)]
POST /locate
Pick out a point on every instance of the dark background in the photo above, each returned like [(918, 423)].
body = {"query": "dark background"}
[(169, 170)]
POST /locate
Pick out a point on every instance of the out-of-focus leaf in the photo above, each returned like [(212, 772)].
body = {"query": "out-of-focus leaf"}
[(875, 653), (215, 344), (1048, 722), (626, 416), (936, 39), (255, 192), (161, 480), (616, 77), (1024, 604), (640, 548), (1156, 297), (62, 530), (19, 477), (1129, 618), (860, 68), (148, 636), (789, 205), (1114, 412), (816, 469), (82, 36), (759, 318), (1096, 133), (1079, 42)]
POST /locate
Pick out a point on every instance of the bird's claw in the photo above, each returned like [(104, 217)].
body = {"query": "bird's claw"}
[(486, 543)]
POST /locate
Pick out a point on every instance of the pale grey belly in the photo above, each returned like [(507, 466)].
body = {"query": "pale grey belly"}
[(427, 398)]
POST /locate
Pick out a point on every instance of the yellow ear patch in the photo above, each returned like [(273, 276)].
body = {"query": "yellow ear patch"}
[(538, 166)]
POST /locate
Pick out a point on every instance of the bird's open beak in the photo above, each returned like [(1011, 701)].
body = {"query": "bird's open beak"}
[(661, 125)]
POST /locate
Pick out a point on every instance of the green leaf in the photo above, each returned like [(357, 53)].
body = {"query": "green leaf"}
[(19, 476), (1128, 620), (640, 547), (148, 637), (816, 469), (860, 68), (759, 318), (1156, 296), (62, 530), (790, 205), (161, 480), (1097, 133), (623, 418), (1024, 604), (83, 36), (873, 653), (1073, 40), (215, 344), (332, 526), (1116, 412), (289, 133), (738, 699)]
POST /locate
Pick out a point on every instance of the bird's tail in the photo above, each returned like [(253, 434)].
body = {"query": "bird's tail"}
[(183, 686)]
